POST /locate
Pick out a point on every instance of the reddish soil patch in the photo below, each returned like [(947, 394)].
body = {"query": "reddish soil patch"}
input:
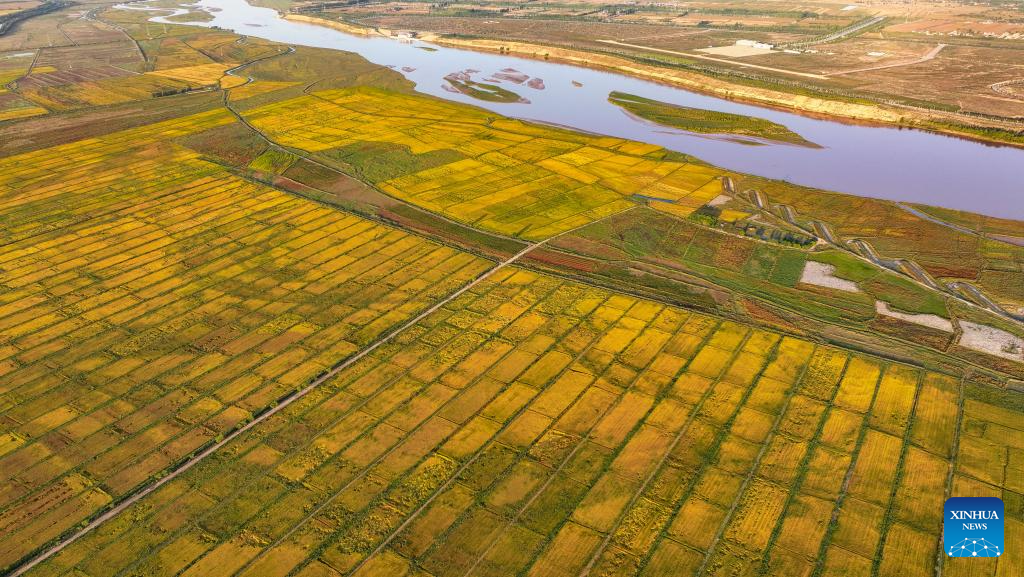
[(560, 259)]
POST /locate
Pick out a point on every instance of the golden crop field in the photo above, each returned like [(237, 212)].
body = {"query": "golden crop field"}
[(150, 301), (257, 88), (537, 426), (15, 109), (201, 74), (105, 91), (13, 106), (494, 173), (233, 380)]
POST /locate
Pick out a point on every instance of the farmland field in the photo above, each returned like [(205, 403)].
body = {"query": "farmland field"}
[(266, 311), (538, 426), (494, 173), (143, 320)]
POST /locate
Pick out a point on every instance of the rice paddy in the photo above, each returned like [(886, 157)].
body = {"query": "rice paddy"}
[(494, 173), (537, 426), (147, 311), (162, 298)]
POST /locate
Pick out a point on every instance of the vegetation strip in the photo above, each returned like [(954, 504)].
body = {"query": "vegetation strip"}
[(704, 121)]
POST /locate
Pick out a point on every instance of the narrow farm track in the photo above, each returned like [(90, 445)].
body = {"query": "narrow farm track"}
[(185, 466)]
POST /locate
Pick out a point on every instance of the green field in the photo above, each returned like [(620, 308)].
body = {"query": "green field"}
[(704, 121)]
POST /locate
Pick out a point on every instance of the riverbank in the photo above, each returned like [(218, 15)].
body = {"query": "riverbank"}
[(933, 121), (336, 25), (949, 123)]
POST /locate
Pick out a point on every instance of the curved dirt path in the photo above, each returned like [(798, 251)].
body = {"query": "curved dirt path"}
[(929, 56), (1000, 88)]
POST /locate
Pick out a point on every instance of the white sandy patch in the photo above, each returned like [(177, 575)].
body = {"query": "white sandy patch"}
[(822, 274), (925, 320), (720, 200), (736, 51), (991, 340)]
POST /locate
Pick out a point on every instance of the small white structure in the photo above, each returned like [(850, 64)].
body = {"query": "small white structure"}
[(740, 49), (755, 44)]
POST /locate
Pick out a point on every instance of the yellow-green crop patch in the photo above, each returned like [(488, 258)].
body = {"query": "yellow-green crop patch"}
[(498, 174), (150, 301), (537, 426)]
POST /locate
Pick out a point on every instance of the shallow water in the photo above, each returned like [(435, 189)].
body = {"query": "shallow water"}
[(891, 163)]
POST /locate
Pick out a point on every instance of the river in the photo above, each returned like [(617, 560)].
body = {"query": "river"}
[(891, 163)]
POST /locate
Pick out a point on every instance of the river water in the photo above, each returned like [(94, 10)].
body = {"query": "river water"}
[(890, 163)]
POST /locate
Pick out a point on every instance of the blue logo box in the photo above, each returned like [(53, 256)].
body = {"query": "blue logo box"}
[(973, 527)]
